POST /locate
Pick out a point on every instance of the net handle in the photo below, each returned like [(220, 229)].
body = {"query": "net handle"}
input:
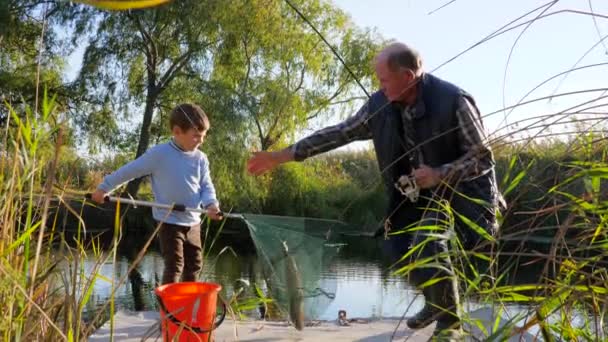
[(173, 207)]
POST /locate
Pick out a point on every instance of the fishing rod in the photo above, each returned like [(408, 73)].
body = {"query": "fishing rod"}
[(173, 207)]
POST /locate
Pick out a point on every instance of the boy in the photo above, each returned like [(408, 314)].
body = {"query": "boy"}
[(179, 174)]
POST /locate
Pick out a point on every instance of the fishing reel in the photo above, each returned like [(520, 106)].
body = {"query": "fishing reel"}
[(406, 184)]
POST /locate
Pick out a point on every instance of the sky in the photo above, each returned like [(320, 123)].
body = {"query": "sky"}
[(549, 46)]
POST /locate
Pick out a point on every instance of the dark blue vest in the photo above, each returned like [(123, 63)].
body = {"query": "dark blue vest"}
[(435, 131)]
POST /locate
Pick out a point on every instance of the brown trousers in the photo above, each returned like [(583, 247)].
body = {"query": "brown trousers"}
[(182, 253)]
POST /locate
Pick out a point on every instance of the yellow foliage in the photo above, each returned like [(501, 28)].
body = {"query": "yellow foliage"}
[(121, 5)]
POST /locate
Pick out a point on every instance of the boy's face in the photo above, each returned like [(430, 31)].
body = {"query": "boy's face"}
[(188, 140)]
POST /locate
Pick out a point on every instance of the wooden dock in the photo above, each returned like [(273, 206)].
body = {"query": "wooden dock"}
[(143, 326)]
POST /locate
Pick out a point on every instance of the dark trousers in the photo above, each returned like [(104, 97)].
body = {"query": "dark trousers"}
[(435, 275), (182, 253), (399, 244)]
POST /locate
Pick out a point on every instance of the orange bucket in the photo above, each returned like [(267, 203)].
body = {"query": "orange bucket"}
[(188, 311)]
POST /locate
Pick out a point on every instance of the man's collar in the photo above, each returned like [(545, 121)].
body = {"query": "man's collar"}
[(419, 109)]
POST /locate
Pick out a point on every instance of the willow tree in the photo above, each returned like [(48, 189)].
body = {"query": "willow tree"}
[(133, 57), (282, 72), (267, 71), (29, 53)]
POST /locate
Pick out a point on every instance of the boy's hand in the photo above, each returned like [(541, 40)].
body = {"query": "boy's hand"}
[(214, 213), (99, 196)]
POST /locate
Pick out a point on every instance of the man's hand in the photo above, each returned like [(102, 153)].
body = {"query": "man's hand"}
[(263, 161), (99, 196), (427, 177), (214, 212)]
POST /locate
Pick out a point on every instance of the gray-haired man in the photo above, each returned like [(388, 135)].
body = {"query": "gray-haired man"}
[(431, 132)]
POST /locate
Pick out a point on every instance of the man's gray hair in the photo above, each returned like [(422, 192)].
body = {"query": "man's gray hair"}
[(400, 56)]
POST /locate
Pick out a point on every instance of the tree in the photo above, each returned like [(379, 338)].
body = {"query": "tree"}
[(280, 70), (267, 70), (135, 55), (29, 54)]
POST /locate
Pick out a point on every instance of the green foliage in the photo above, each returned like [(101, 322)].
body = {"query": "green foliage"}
[(281, 72), (24, 56), (261, 74)]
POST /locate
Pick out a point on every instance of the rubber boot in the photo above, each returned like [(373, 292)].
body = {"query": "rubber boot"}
[(427, 315), (448, 326)]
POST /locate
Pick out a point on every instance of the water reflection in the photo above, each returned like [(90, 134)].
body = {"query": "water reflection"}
[(361, 287)]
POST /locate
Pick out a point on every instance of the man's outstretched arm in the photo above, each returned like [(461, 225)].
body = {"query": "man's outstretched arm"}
[(326, 139)]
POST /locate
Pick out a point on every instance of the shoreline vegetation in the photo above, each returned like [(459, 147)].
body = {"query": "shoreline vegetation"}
[(235, 63)]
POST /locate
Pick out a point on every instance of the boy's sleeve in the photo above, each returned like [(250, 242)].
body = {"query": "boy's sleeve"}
[(141, 166), (208, 196)]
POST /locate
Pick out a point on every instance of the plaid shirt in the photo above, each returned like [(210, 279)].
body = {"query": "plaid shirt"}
[(475, 162)]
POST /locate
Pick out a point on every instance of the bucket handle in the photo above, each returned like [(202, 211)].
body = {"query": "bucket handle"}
[(197, 330)]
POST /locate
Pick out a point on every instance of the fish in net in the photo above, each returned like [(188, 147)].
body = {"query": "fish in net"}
[(294, 253)]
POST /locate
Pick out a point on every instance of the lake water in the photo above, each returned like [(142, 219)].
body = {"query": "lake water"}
[(357, 277), (361, 286)]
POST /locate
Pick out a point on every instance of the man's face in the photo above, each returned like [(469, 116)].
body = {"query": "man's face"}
[(189, 140), (394, 84)]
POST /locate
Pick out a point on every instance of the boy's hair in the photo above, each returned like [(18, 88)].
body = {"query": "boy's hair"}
[(188, 115)]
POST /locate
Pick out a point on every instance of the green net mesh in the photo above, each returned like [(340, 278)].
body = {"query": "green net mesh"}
[(308, 244)]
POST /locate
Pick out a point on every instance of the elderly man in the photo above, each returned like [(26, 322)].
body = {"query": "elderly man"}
[(427, 134)]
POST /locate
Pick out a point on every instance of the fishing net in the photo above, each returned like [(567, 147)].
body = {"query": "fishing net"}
[(309, 244)]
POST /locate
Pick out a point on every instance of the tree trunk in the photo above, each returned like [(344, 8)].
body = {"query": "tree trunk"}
[(144, 137)]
